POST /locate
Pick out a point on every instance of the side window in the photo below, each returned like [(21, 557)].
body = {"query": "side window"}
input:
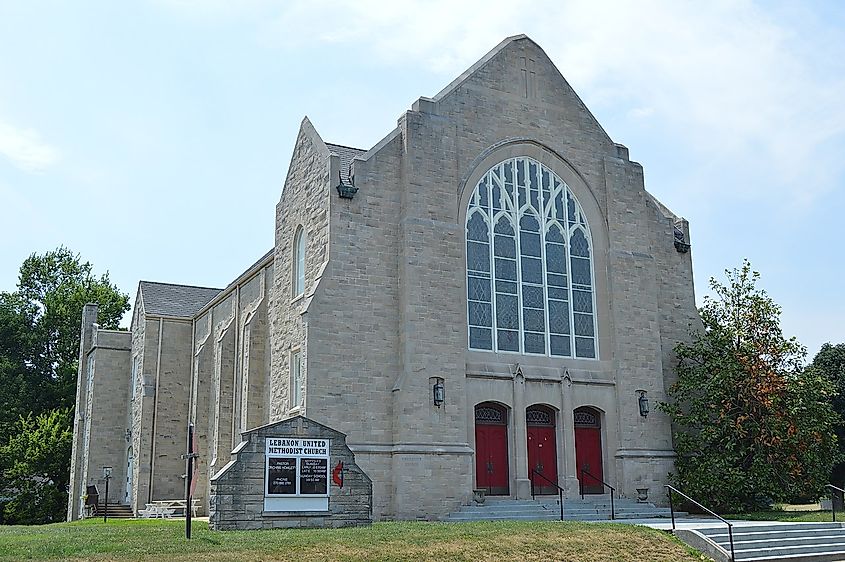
[(134, 381), (299, 262)]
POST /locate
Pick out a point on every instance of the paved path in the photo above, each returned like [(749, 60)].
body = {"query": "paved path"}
[(693, 523)]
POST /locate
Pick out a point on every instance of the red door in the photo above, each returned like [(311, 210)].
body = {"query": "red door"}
[(588, 457), (542, 458), (491, 449), (542, 449)]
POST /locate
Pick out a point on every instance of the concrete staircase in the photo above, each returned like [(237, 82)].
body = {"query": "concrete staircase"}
[(116, 511), (548, 509), (792, 542)]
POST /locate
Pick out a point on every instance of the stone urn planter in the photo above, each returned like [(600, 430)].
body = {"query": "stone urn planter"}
[(479, 495), (642, 495)]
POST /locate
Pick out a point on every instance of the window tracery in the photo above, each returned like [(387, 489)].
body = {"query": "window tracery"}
[(534, 292)]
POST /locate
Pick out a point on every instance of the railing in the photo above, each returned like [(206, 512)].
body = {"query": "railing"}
[(555, 484), (603, 483), (723, 520), (833, 499)]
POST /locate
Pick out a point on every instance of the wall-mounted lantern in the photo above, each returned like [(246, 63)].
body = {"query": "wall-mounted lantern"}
[(346, 191), (643, 402), (128, 435), (439, 392)]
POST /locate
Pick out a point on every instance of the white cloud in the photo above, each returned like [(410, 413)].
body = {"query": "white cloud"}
[(25, 149), (754, 88), (724, 78)]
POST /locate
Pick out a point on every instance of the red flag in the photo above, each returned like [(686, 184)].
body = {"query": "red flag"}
[(337, 474)]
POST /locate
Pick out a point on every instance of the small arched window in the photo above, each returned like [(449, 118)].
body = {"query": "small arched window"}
[(299, 262), (530, 285)]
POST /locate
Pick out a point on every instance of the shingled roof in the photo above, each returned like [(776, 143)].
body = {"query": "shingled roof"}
[(346, 153), (181, 301)]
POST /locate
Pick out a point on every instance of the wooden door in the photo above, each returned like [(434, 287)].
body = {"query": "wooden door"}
[(588, 453), (542, 449), (491, 449)]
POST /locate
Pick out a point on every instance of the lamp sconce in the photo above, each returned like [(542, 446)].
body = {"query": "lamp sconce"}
[(643, 403), (106, 472), (438, 392), (127, 435), (346, 191)]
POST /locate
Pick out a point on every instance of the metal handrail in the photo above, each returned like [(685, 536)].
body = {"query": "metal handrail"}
[(555, 484), (713, 513), (833, 500), (594, 477)]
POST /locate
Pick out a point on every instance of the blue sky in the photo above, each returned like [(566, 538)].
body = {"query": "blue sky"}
[(153, 137)]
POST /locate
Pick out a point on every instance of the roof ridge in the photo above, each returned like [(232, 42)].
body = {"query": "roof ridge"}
[(180, 285), (346, 146)]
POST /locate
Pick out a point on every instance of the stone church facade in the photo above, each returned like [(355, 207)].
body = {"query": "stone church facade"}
[(480, 301)]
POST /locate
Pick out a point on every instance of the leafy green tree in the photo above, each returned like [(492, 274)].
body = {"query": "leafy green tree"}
[(39, 332), (39, 353), (830, 362), (34, 468), (752, 425)]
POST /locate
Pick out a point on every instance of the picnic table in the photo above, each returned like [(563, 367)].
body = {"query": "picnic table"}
[(165, 509)]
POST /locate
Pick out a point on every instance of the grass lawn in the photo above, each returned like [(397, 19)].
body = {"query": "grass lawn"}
[(489, 541)]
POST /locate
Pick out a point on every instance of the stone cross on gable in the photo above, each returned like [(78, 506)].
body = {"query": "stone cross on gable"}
[(300, 427), (529, 78)]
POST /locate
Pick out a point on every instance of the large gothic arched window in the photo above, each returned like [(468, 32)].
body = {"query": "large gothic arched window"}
[(530, 282)]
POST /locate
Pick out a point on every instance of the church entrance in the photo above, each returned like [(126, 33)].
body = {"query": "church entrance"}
[(588, 457), (491, 449), (542, 450)]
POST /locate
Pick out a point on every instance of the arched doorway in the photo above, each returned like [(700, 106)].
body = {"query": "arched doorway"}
[(588, 457), (542, 448), (491, 449)]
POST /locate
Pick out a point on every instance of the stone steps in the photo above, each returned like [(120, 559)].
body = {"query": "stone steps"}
[(794, 542), (116, 511)]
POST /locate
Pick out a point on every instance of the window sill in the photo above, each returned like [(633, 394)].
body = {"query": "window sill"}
[(297, 298)]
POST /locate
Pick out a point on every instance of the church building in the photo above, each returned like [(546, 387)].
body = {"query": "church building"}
[(486, 299)]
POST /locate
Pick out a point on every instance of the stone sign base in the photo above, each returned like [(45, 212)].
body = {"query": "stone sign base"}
[(292, 473)]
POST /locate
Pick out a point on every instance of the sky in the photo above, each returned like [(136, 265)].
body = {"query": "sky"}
[(153, 137)]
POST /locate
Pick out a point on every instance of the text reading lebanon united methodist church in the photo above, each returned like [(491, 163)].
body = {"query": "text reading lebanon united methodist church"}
[(486, 292)]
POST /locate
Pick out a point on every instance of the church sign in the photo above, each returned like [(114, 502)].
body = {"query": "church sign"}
[(291, 473), (296, 475)]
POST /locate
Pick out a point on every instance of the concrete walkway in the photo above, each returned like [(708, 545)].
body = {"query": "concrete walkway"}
[(665, 524)]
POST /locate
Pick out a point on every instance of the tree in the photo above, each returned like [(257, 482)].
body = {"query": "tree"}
[(39, 349), (34, 468), (752, 425), (830, 362), (39, 332)]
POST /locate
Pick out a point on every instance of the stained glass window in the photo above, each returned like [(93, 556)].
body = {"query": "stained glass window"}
[(533, 290)]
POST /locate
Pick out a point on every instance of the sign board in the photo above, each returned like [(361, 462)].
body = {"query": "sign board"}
[(296, 476)]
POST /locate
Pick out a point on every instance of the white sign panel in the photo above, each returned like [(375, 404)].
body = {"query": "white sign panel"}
[(296, 476)]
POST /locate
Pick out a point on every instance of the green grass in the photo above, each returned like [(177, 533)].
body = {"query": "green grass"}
[(488, 541)]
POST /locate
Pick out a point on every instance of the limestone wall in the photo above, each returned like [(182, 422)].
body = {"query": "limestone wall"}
[(107, 404), (229, 388), (304, 203), (389, 312)]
